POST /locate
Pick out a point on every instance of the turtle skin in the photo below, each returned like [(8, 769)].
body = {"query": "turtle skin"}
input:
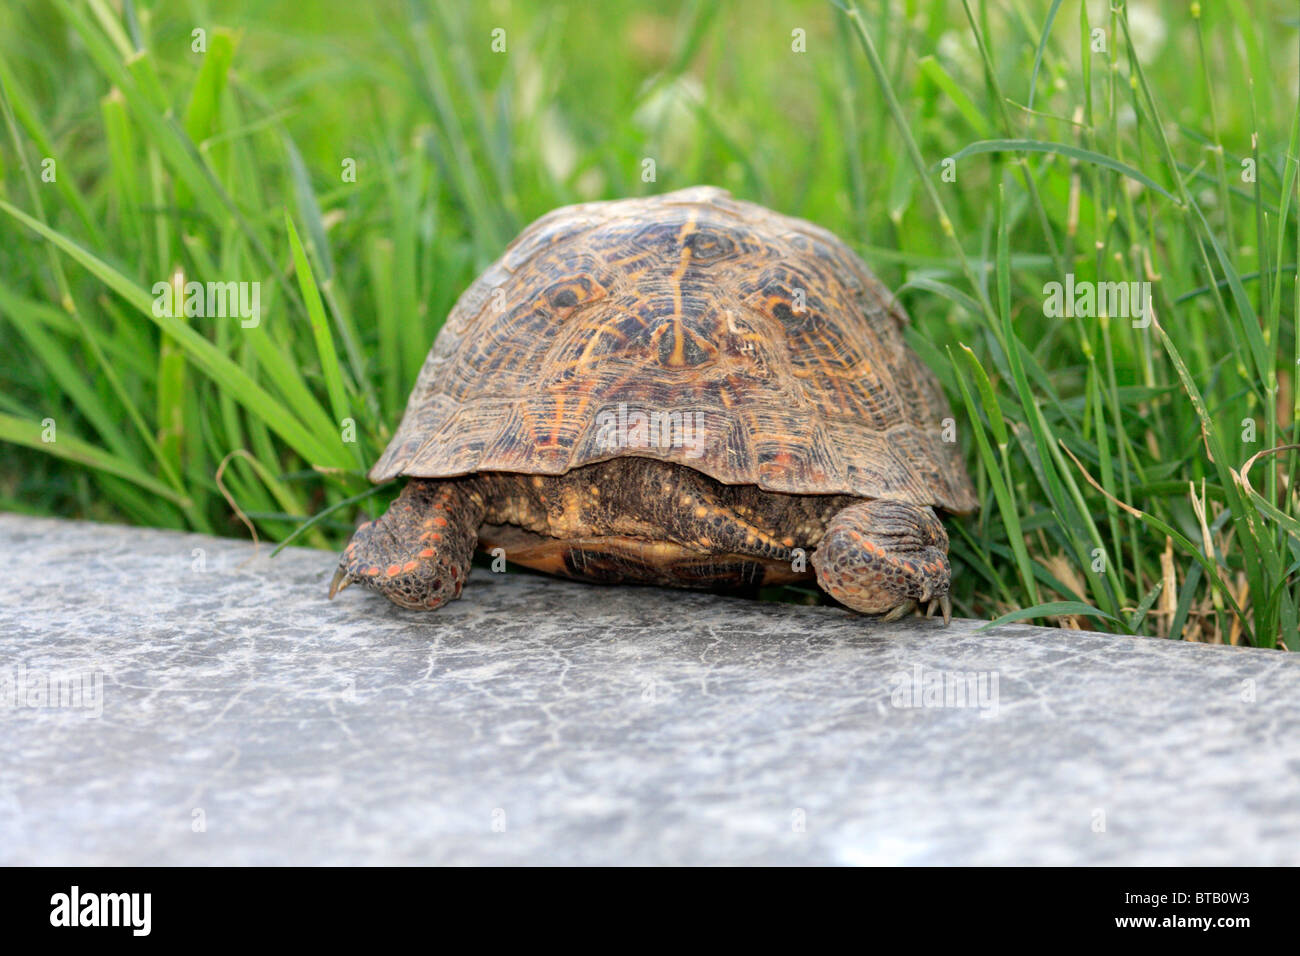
[(683, 390)]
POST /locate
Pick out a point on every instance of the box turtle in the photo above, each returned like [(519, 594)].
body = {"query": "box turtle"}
[(683, 390)]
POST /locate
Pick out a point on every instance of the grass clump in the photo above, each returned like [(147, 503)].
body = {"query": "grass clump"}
[(361, 162)]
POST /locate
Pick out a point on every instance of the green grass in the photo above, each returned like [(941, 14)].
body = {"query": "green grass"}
[(1137, 479)]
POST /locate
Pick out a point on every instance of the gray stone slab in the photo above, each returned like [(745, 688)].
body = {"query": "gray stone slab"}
[(241, 718)]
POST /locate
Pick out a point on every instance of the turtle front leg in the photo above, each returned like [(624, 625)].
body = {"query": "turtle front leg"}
[(883, 557), (418, 553)]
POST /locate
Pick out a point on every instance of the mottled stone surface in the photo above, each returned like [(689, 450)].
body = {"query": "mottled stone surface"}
[(245, 719)]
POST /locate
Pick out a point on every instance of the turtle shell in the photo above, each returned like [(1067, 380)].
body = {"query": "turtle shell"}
[(688, 327)]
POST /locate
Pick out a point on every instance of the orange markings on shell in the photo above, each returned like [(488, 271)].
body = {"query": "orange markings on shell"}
[(690, 299)]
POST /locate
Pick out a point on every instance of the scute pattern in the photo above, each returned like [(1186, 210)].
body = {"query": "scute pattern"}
[(768, 328)]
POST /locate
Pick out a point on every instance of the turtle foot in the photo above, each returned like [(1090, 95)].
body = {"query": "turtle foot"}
[(885, 557)]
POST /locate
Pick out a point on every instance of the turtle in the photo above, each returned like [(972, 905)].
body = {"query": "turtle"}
[(682, 390)]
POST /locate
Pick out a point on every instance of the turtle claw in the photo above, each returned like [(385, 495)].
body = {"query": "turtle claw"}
[(907, 607), (943, 603), (341, 580)]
